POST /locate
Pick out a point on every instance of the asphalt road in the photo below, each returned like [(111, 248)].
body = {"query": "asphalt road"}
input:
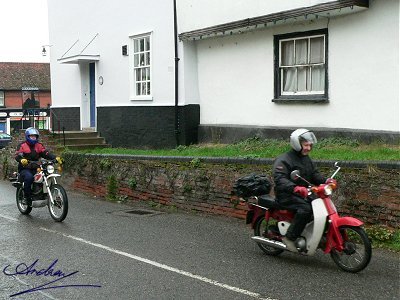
[(164, 255)]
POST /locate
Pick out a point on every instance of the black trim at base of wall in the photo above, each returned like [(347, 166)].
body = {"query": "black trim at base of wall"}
[(233, 133), (148, 126), (67, 118)]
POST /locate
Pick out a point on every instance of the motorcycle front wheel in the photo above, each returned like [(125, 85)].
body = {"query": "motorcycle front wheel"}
[(59, 209), (23, 208), (357, 251), (263, 228)]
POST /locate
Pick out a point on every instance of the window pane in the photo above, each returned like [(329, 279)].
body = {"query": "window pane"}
[(302, 78), (147, 44), (138, 92), (148, 88), (1, 98), (136, 60), (143, 74), (317, 50), (135, 46), (301, 51), (289, 80), (318, 78), (144, 88), (148, 59), (137, 71), (142, 59), (147, 73), (141, 45), (287, 53)]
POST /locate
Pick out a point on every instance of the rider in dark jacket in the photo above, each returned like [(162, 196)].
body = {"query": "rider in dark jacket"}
[(27, 153), (293, 194)]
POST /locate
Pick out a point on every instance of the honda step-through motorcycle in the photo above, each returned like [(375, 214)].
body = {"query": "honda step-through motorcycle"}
[(46, 191), (342, 237)]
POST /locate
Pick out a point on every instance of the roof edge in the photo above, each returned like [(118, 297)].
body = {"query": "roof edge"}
[(273, 18)]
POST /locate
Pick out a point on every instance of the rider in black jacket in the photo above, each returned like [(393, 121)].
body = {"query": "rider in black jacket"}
[(293, 194)]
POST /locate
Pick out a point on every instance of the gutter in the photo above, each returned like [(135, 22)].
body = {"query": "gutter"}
[(324, 10), (177, 124)]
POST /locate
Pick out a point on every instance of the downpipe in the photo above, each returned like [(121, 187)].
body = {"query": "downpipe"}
[(268, 242)]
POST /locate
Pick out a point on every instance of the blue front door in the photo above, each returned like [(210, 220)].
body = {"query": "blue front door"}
[(92, 95)]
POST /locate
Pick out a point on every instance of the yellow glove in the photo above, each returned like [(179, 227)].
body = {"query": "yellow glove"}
[(59, 160), (24, 162)]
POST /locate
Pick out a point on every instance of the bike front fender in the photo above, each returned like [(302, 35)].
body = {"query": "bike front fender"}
[(333, 237), (53, 175), (347, 221)]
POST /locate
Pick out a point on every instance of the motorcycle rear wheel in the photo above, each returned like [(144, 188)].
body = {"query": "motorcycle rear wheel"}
[(357, 253), (261, 229), (59, 209), (23, 208)]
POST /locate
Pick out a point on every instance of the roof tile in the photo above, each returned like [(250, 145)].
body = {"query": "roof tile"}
[(16, 76)]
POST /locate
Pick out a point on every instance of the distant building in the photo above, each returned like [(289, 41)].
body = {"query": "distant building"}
[(25, 95)]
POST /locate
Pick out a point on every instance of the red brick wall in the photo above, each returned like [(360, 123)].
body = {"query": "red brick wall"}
[(371, 194), (14, 99)]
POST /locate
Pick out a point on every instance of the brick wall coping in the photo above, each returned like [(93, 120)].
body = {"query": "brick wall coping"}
[(394, 165)]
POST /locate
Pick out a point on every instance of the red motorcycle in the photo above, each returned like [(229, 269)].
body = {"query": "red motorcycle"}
[(342, 237)]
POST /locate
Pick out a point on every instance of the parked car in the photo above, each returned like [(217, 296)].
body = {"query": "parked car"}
[(5, 139)]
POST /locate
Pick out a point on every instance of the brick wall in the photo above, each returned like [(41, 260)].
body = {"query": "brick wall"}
[(369, 192)]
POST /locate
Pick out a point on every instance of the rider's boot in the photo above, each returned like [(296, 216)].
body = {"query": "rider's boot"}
[(27, 201), (290, 245)]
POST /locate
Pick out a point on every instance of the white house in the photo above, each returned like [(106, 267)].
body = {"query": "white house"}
[(113, 70), (238, 69), (266, 66)]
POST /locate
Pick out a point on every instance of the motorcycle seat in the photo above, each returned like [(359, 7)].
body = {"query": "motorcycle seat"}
[(268, 201)]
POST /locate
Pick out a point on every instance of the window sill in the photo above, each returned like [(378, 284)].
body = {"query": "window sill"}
[(303, 100), (142, 98)]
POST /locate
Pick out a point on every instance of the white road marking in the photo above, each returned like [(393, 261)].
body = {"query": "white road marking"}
[(9, 218), (162, 266), (154, 263)]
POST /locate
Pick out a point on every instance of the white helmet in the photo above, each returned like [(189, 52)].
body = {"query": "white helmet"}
[(299, 135)]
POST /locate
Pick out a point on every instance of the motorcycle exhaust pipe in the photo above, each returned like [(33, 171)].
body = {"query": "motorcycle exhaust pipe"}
[(268, 242)]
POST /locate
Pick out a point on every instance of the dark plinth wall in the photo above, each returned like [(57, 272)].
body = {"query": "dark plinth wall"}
[(234, 133), (65, 118), (148, 126)]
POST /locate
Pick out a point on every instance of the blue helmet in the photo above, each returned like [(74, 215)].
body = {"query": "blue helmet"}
[(31, 131)]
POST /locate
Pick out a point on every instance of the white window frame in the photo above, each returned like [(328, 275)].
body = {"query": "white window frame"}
[(135, 69), (2, 98), (308, 65)]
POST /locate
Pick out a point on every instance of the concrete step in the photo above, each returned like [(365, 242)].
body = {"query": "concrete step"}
[(77, 134), (76, 140)]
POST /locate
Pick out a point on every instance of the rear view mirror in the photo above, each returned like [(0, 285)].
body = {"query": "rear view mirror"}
[(294, 175)]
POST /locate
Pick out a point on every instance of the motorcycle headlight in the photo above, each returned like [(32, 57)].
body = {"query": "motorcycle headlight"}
[(328, 190), (50, 169)]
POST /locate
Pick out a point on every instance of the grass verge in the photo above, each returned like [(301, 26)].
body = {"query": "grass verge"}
[(329, 149)]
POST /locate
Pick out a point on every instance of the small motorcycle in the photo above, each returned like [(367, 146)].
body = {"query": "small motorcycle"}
[(45, 191), (342, 237)]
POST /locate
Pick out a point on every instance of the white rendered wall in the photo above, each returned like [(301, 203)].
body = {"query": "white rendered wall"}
[(196, 14), (114, 21), (236, 82)]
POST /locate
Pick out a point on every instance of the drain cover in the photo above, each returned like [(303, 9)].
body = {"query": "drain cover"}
[(139, 212)]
